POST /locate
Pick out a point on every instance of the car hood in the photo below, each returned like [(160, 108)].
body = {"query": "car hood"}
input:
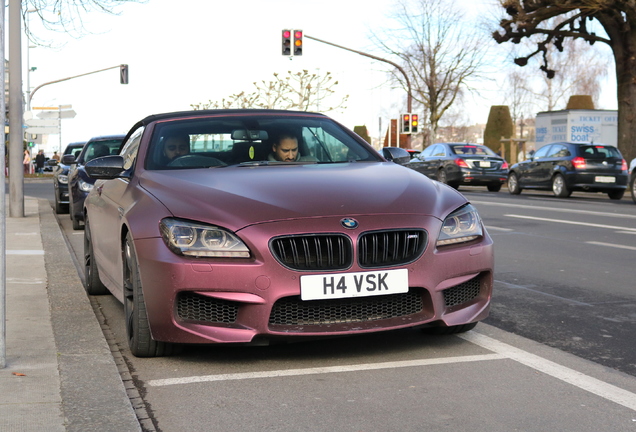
[(238, 196)]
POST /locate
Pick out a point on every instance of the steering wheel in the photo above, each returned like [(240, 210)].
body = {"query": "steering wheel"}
[(195, 161)]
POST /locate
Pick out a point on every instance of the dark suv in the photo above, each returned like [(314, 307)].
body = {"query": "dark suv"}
[(79, 183), (565, 167)]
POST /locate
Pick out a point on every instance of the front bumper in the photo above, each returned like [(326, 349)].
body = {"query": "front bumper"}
[(247, 301)]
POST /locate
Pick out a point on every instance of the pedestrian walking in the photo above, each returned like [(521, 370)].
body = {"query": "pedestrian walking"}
[(26, 162), (39, 162)]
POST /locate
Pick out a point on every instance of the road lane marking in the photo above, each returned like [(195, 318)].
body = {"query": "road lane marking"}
[(612, 245), (595, 386), (562, 210), (514, 286), (492, 228), (323, 370), (613, 227)]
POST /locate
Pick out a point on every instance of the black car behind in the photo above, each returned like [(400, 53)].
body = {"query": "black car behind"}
[(564, 167), (79, 183), (462, 164), (60, 178)]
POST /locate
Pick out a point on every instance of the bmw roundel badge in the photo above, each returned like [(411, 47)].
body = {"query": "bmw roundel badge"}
[(349, 223)]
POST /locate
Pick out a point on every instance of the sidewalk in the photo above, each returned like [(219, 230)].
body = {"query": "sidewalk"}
[(60, 373)]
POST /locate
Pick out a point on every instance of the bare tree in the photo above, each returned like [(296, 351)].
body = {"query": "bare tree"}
[(438, 54), (66, 15), (586, 20), (302, 91)]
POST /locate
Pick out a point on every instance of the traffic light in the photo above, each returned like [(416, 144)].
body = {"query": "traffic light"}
[(123, 74), (298, 42), (414, 123), (405, 123), (287, 42)]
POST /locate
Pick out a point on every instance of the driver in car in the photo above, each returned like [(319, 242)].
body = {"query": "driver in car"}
[(175, 146), (285, 149)]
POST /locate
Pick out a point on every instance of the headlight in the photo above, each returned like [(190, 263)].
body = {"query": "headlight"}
[(192, 239), (63, 179), (463, 225), (86, 187)]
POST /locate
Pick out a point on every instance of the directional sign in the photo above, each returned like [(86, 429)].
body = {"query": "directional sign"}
[(57, 114), (42, 122), (43, 130)]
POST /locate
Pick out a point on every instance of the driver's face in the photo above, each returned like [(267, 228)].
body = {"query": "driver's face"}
[(286, 150), (175, 147)]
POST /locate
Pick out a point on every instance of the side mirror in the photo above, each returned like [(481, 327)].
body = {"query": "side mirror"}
[(396, 154), (68, 159), (107, 167)]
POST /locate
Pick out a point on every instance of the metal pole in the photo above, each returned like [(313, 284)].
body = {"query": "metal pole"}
[(409, 98), (66, 79), (16, 134), (3, 221)]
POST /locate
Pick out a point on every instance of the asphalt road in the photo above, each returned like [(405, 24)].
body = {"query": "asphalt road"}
[(563, 272), (563, 279)]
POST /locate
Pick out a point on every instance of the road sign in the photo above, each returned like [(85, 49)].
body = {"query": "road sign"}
[(57, 114), (42, 122), (43, 130)]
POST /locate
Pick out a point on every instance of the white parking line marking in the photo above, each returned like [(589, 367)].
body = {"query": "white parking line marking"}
[(570, 376), (322, 370), (572, 222), (612, 245)]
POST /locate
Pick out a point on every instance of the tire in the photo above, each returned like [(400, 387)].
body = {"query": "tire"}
[(449, 330), (441, 176), (93, 284), (559, 188), (76, 224), (60, 208), (632, 186), (140, 340), (616, 194), (494, 187), (513, 184)]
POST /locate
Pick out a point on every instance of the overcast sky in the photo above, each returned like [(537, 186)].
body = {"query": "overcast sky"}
[(192, 51)]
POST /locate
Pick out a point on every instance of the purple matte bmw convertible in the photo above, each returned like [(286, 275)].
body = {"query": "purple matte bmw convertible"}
[(246, 226)]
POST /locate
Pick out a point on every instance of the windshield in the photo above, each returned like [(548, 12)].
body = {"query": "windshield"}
[(95, 149), (252, 140), (472, 150)]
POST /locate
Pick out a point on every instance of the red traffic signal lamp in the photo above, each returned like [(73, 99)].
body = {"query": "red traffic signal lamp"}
[(409, 123), (405, 123), (298, 42), (414, 123), (287, 36)]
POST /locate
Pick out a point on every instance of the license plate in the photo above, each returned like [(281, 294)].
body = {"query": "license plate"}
[(484, 164), (604, 179), (361, 284)]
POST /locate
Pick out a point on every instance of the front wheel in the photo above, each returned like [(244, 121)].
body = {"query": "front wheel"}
[(559, 188), (441, 176), (632, 186), (513, 184), (93, 283), (140, 340)]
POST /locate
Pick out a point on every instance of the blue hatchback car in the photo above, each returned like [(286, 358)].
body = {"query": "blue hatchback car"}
[(79, 183)]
